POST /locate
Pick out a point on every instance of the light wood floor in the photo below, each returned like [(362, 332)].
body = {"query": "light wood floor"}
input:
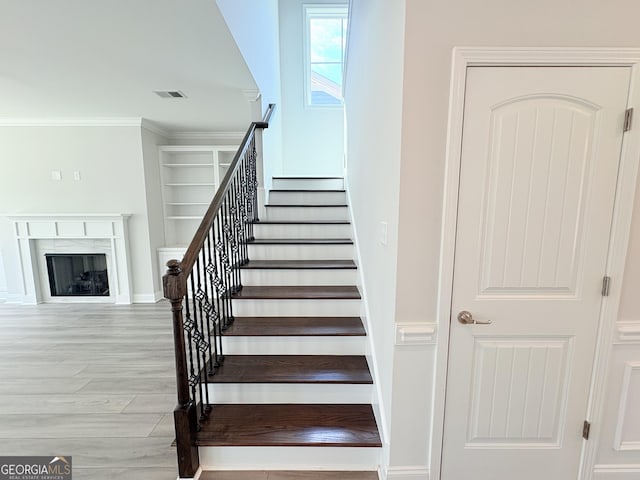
[(96, 382)]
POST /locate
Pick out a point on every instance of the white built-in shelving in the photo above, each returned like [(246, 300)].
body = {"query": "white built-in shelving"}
[(190, 176)]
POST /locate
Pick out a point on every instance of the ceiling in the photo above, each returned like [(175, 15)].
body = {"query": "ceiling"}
[(79, 59)]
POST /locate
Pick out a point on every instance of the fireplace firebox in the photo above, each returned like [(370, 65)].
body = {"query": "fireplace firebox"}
[(72, 275)]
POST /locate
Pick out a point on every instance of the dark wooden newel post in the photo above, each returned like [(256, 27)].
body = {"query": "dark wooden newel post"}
[(185, 417)]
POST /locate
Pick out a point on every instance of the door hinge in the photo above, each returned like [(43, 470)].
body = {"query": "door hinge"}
[(628, 119), (586, 428), (606, 282)]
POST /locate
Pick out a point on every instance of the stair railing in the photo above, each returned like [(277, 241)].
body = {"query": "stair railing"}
[(200, 288)]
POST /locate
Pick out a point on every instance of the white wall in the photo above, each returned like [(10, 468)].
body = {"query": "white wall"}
[(109, 160), (432, 30), (255, 28), (312, 137), (406, 176), (373, 100), (3, 281)]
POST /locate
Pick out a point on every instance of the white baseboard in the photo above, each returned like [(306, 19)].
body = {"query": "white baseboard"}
[(147, 298), (407, 473), (19, 299)]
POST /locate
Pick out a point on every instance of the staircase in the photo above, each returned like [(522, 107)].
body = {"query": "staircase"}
[(294, 390)]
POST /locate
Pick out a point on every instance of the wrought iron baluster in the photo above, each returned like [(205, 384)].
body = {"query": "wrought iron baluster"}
[(215, 307), (202, 340), (220, 291), (245, 211), (188, 328), (195, 335), (236, 231)]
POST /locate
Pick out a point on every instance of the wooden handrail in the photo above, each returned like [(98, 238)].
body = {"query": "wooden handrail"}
[(200, 288), (186, 265)]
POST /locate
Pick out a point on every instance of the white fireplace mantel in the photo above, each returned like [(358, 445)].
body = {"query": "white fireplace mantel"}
[(29, 228)]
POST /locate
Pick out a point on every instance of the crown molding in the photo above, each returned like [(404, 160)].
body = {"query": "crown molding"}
[(118, 122), (72, 122), (207, 135), (154, 128)]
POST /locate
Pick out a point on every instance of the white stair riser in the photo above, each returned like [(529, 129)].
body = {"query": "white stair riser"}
[(289, 393), (308, 198), (301, 230), (347, 345), (301, 252), (296, 308), (299, 277), (289, 458), (307, 213), (307, 184)]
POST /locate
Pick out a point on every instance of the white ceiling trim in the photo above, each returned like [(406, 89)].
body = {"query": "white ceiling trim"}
[(152, 127), (207, 135)]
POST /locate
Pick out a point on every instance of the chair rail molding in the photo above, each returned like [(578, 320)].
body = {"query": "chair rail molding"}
[(628, 332), (417, 472), (418, 333)]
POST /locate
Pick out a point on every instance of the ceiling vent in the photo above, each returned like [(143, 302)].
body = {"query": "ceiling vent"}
[(170, 94)]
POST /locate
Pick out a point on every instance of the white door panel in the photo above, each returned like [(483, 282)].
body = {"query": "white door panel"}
[(539, 164)]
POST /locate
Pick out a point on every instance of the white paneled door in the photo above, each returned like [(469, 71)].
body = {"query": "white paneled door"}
[(540, 154)]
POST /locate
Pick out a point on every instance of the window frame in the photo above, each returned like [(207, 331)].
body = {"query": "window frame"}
[(321, 10)]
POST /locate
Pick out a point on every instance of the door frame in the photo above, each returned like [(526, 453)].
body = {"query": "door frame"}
[(462, 58)]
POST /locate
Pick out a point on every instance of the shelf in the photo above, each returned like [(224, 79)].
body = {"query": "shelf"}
[(190, 184), (179, 165)]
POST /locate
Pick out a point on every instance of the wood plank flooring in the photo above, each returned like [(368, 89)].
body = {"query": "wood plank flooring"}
[(95, 382)]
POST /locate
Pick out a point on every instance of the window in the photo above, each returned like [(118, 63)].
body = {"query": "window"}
[(326, 38)]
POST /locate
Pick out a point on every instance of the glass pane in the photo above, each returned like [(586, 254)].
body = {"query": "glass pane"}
[(326, 84), (331, 72), (326, 39)]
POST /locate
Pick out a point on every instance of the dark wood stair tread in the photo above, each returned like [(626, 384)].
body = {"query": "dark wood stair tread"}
[(288, 475), (302, 222), (301, 264), (306, 190), (307, 178), (301, 241), (305, 205), (328, 425), (293, 369), (295, 292), (295, 326)]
